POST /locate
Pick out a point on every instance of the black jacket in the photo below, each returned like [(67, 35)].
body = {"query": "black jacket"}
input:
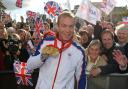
[(112, 66)]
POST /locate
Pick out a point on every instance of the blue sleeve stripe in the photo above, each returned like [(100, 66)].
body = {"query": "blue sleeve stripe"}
[(82, 84), (38, 47)]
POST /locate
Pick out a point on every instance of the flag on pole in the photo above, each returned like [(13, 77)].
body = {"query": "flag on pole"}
[(88, 12), (19, 3), (23, 75), (38, 25), (31, 14), (107, 6), (52, 8)]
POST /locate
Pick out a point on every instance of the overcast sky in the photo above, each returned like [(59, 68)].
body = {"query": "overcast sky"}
[(38, 5)]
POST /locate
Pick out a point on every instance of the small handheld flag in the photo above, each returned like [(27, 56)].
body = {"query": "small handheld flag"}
[(19, 3), (23, 75)]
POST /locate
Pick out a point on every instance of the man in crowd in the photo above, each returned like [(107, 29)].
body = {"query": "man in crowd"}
[(122, 36)]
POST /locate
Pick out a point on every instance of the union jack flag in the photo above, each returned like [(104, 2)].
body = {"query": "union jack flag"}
[(31, 14), (19, 3), (38, 25), (23, 75), (52, 8)]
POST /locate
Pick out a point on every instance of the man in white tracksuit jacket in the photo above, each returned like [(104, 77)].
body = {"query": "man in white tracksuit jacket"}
[(60, 72)]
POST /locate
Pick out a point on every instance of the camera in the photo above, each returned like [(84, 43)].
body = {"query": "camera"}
[(13, 44)]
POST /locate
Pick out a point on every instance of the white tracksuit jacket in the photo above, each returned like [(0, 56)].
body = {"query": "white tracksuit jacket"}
[(72, 65)]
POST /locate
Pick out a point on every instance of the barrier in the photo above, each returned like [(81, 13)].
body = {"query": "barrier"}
[(112, 81)]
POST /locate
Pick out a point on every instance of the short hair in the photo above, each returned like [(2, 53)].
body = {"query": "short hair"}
[(83, 32), (107, 32), (15, 36), (95, 42), (121, 27), (19, 31), (110, 23), (47, 24), (65, 14)]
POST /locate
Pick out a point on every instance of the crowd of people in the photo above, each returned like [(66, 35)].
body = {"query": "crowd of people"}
[(83, 50)]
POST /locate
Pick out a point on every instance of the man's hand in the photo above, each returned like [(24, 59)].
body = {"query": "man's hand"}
[(44, 57), (120, 58)]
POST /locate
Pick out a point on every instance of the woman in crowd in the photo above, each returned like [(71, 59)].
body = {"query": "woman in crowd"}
[(111, 28), (24, 41), (47, 31), (84, 38), (90, 30), (94, 60), (33, 43), (94, 57)]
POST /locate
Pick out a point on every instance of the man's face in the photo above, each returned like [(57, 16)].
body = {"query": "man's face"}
[(122, 36), (66, 28), (107, 40)]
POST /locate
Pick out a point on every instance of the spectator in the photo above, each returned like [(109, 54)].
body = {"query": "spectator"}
[(122, 36), (50, 23), (24, 42), (33, 43), (94, 57), (109, 46), (22, 23), (47, 31), (111, 28), (97, 30), (85, 39), (3, 40), (104, 25), (90, 30)]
